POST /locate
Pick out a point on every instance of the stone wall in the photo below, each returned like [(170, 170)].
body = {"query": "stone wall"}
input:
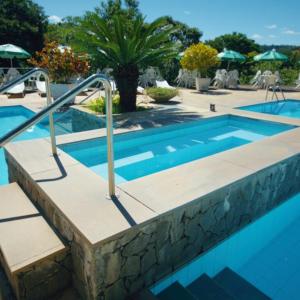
[(137, 258), (82, 121), (150, 251), (81, 251)]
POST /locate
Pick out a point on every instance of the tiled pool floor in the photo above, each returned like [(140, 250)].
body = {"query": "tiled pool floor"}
[(276, 268)]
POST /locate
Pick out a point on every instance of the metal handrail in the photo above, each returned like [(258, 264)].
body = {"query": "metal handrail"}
[(59, 103), (23, 78)]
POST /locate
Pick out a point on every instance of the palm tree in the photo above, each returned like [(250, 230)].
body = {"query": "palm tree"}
[(126, 46)]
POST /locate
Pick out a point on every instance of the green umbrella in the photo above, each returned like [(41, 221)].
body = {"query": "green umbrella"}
[(272, 55), (231, 56), (11, 51)]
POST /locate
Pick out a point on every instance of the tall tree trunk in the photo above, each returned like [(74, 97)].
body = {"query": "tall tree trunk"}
[(127, 82)]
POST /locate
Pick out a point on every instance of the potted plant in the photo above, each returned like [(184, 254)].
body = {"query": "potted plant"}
[(200, 57), (63, 65)]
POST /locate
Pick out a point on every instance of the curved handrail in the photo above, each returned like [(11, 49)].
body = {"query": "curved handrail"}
[(26, 76), (59, 103)]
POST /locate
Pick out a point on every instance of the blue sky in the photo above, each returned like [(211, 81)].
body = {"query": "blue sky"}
[(266, 21)]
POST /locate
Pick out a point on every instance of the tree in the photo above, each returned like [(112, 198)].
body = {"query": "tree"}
[(184, 34), (236, 41), (63, 32), (126, 47), (129, 10), (22, 23)]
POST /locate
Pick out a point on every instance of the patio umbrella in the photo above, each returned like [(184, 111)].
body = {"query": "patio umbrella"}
[(11, 51), (231, 56), (272, 55)]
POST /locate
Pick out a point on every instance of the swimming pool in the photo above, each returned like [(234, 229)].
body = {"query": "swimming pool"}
[(145, 152), (12, 116), (287, 108), (266, 253)]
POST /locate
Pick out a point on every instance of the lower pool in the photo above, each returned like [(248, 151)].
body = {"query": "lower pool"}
[(149, 151), (266, 253), (12, 116), (286, 108)]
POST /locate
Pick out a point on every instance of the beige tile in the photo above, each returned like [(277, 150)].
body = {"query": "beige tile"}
[(25, 237), (36, 155), (81, 196), (168, 189)]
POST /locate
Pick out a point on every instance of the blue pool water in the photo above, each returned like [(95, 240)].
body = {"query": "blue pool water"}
[(12, 116), (287, 108), (149, 151), (266, 253)]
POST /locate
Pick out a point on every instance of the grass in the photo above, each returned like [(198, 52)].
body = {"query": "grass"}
[(98, 106)]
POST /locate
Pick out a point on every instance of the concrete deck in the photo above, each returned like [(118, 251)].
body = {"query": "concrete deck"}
[(25, 237), (84, 201), (79, 196), (142, 198)]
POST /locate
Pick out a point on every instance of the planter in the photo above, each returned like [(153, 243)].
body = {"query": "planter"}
[(202, 84), (58, 89)]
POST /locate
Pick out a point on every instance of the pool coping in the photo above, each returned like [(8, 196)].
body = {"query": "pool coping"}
[(149, 196)]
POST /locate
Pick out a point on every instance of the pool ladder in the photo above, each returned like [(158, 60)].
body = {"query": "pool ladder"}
[(272, 83), (52, 106)]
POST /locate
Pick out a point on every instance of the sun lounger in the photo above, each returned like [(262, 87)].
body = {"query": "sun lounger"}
[(41, 86), (17, 91), (163, 84)]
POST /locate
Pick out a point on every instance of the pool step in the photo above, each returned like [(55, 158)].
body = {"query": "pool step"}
[(205, 288), (176, 291), (238, 287), (226, 285), (35, 260)]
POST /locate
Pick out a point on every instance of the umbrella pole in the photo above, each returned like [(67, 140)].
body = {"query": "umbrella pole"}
[(228, 65), (11, 64)]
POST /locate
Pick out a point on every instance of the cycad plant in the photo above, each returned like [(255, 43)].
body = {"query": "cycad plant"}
[(126, 46)]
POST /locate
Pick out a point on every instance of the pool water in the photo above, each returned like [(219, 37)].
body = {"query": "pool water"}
[(266, 253), (138, 154), (286, 108), (12, 116)]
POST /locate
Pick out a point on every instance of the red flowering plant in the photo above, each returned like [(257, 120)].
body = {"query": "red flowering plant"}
[(62, 63)]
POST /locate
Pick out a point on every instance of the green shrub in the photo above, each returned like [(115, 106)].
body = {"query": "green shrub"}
[(98, 105), (289, 76), (161, 94)]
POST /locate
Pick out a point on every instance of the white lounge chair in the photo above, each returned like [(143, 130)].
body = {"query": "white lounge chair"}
[(163, 84), (140, 90), (256, 81), (41, 86), (186, 78), (11, 74), (17, 91), (232, 79), (219, 80), (149, 76)]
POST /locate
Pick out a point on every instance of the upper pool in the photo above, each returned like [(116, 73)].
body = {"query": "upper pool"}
[(287, 108), (145, 152), (12, 116)]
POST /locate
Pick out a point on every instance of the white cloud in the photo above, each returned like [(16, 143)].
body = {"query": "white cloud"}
[(54, 19), (257, 36), (187, 12), (291, 32), (272, 26), (272, 36)]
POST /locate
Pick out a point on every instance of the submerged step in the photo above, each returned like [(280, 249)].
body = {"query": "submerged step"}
[(238, 287), (35, 260), (205, 288), (175, 291)]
